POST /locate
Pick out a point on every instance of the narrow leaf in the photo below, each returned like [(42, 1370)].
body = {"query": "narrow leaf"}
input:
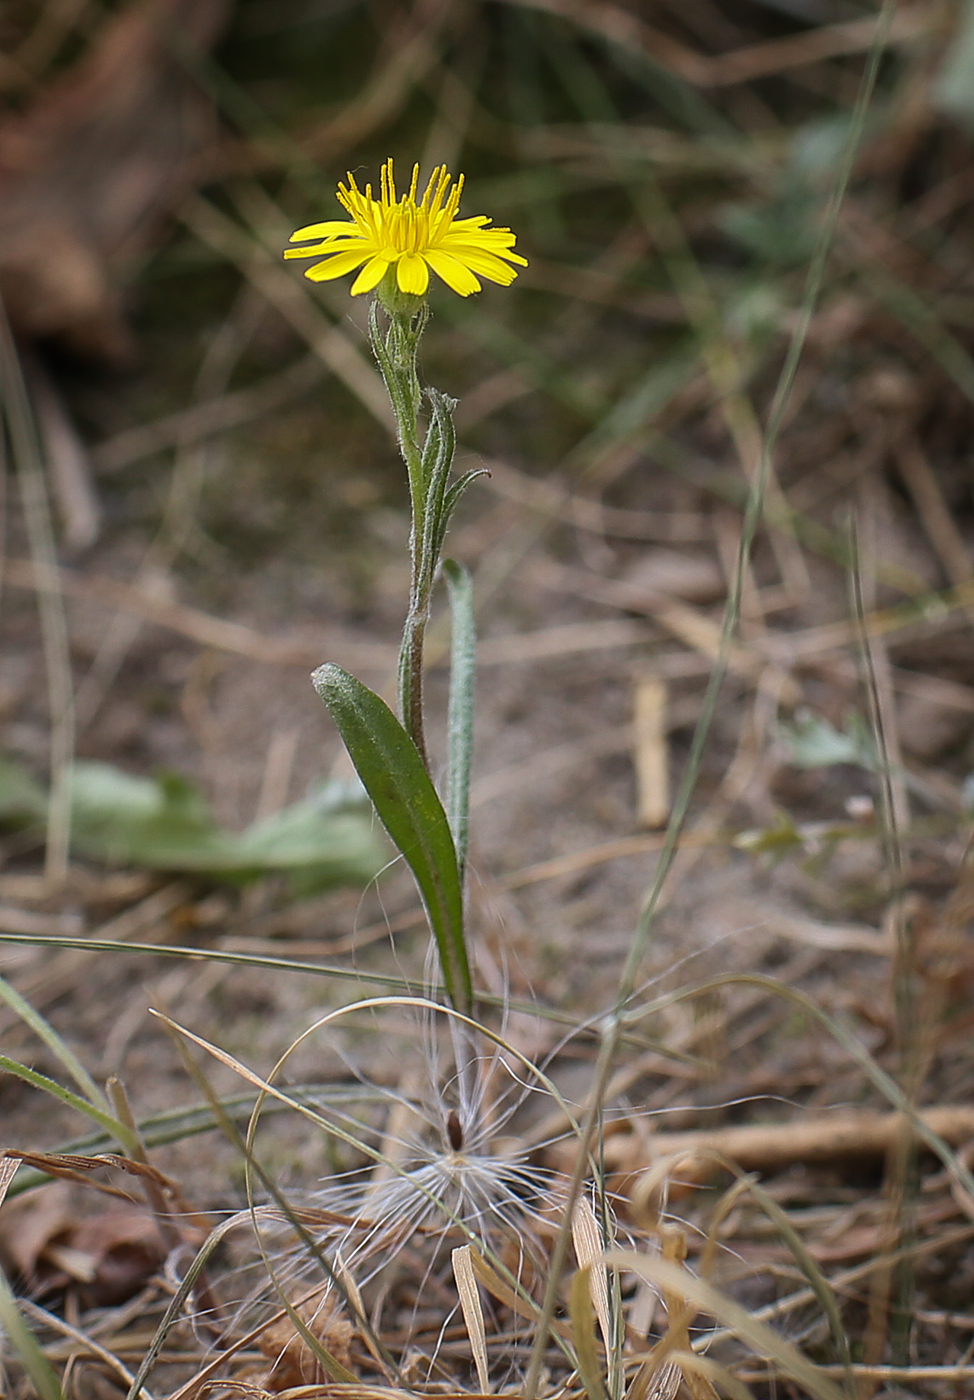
[(459, 722), (46, 1032), (441, 442), (40, 1081), (396, 779), (450, 501)]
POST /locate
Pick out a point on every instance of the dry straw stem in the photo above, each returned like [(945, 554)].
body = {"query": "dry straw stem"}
[(938, 522), (862, 1136), (83, 1343), (150, 918), (237, 639), (651, 751), (409, 53), (898, 1375)]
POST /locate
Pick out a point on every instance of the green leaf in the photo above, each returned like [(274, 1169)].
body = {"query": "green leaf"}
[(451, 500), (328, 839), (161, 821), (396, 779), (782, 231), (441, 442), (164, 823), (813, 742)]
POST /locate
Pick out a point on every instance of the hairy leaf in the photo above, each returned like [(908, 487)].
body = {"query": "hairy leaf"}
[(396, 779)]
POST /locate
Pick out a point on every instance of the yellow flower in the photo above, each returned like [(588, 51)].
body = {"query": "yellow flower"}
[(412, 236)]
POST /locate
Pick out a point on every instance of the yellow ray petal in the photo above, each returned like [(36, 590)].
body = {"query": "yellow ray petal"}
[(484, 265), (325, 230), (370, 276), (457, 277), (461, 246), (476, 221), (412, 274), (337, 266), (334, 245)]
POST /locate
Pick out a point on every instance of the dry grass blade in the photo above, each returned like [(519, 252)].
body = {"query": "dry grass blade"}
[(473, 1315), (344, 1275), (8, 1170), (656, 1381), (679, 1313), (582, 1316), (703, 1375), (502, 1291), (589, 1248), (72, 1166), (758, 1335)]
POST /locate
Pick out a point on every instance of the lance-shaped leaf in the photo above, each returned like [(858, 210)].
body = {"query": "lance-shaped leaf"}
[(438, 452), (396, 779), (460, 711)]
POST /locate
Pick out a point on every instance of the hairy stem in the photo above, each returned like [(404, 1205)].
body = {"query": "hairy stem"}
[(411, 676), (395, 349)]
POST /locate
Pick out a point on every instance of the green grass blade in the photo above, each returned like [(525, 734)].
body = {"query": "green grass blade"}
[(118, 1130), (395, 778), (13, 1328), (53, 1041), (21, 1340)]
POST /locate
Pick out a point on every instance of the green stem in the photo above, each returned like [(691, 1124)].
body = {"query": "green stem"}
[(396, 350), (411, 677)]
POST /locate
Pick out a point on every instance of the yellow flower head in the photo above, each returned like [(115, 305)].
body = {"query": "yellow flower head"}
[(412, 236)]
